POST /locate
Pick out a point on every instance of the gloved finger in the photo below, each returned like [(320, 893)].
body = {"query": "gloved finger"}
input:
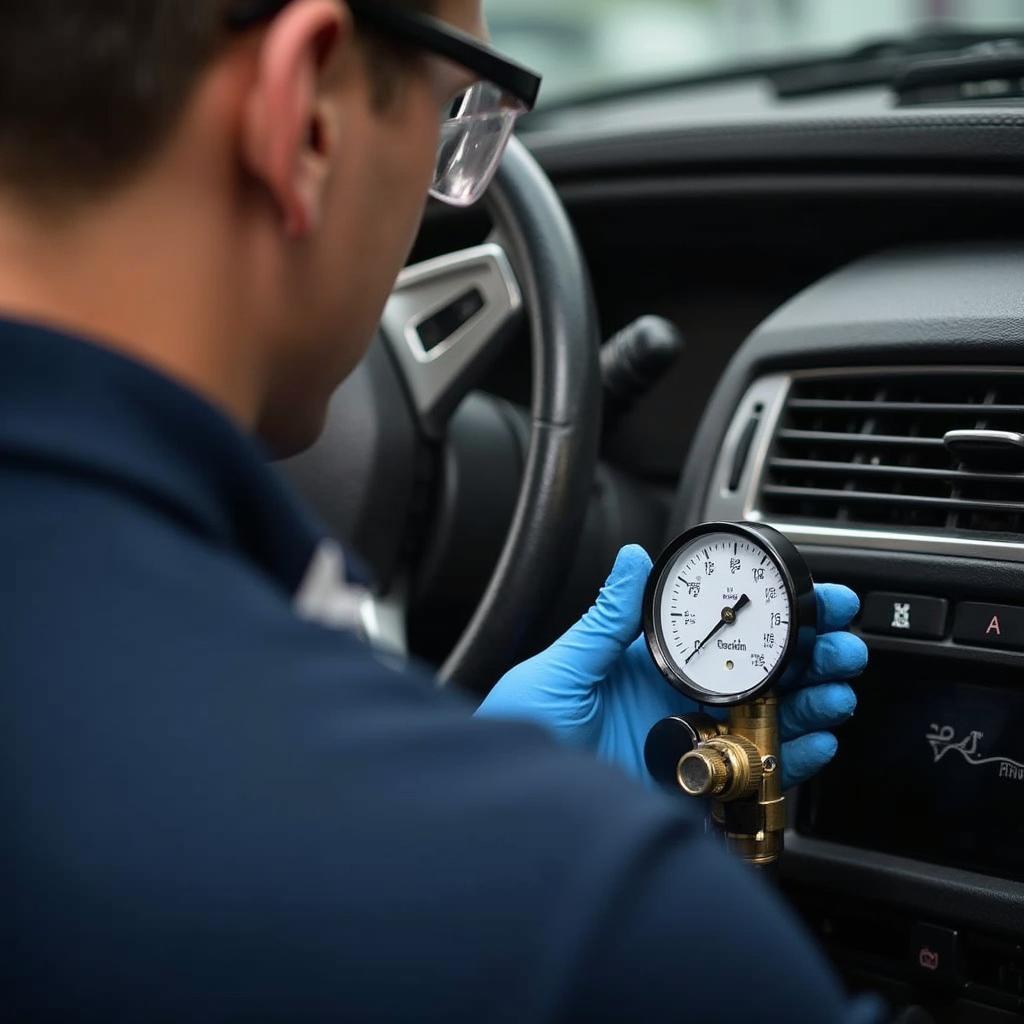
[(590, 649), (817, 707), (836, 656), (837, 606), (806, 756)]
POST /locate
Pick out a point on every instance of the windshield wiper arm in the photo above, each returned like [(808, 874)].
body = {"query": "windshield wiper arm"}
[(881, 61), (877, 62)]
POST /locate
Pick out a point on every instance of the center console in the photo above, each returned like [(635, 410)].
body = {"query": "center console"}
[(934, 770), (841, 422)]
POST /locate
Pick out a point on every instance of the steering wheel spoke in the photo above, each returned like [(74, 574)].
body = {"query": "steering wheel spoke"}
[(445, 321)]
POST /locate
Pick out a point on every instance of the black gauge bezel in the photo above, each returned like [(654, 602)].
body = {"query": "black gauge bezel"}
[(799, 591)]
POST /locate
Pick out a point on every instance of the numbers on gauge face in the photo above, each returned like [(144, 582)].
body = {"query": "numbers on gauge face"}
[(725, 614)]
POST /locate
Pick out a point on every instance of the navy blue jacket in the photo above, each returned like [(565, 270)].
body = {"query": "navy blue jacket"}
[(215, 810)]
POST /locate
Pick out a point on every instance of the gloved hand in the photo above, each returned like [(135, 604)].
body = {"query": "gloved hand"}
[(598, 688)]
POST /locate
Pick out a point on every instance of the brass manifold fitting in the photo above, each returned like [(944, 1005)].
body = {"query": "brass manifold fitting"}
[(737, 766)]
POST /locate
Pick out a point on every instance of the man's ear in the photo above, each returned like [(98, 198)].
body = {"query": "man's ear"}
[(285, 138)]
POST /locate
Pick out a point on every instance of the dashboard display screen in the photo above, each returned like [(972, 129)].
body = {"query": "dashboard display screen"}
[(929, 768)]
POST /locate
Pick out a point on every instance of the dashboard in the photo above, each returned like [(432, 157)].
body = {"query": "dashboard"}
[(851, 284), (830, 424)]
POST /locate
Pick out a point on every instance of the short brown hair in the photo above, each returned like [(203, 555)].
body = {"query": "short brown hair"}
[(89, 90)]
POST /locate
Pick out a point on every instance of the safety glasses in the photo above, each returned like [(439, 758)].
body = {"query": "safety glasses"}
[(477, 126)]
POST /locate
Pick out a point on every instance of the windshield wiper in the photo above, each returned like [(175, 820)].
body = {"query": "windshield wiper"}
[(881, 61)]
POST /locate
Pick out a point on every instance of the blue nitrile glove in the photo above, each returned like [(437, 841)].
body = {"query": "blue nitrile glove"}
[(598, 688)]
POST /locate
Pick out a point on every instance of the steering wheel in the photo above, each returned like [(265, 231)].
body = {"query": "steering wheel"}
[(444, 323)]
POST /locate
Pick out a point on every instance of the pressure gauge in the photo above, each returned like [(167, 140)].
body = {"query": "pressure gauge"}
[(728, 609)]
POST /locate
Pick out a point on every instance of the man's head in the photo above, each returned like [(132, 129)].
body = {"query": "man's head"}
[(279, 171), (95, 87)]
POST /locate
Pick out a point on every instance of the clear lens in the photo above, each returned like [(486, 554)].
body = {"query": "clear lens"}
[(473, 140)]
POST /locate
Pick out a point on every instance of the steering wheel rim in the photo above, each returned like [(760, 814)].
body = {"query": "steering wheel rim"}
[(365, 427), (565, 420)]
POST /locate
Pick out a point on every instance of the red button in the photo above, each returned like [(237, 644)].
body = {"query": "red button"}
[(989, 625), (934, 954)]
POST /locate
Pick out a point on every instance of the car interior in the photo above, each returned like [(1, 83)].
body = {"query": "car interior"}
[(785, 290)]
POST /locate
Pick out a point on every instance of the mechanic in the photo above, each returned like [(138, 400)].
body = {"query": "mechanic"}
[(217, 807)]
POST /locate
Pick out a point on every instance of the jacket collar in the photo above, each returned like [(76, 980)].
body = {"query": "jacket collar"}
[(73, 407)]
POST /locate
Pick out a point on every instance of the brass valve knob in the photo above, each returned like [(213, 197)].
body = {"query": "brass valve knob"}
[(703, 772), (670, 739), (734, 766), (727, 767)]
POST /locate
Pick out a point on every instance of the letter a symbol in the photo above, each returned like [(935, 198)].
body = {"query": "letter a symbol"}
[(993, 626)]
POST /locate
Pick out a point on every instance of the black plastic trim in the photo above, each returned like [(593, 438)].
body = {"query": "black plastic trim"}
[(979, 901), (981, 138), (773, 183), (954, 579)]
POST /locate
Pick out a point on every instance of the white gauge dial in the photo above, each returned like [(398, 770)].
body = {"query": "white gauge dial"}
[(724, 613)]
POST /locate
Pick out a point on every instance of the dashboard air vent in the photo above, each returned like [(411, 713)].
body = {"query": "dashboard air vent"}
[(867, 451)]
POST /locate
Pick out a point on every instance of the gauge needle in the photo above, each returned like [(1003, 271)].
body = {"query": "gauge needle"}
[(728, 618)]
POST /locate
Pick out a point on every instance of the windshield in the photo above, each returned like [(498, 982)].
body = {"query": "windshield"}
[(586, 45)]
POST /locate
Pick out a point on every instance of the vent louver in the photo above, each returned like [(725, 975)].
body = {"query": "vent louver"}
[(867, 451)]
